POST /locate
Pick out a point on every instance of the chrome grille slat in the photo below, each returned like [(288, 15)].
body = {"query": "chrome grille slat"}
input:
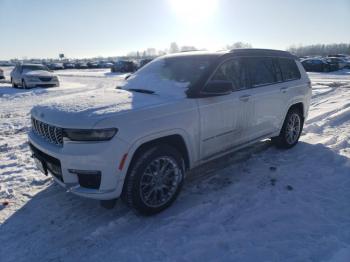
[(48, 132)]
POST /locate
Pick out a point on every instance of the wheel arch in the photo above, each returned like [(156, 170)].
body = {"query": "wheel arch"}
[(175, 140), (296, 104), (299, 106)]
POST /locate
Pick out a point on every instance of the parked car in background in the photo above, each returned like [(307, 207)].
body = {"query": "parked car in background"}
[(92, 64), (144, 62), (347, 63), (56, 66), (81, 65), (339, 55), (31, 75), (185, 109), (105, 64), (2, 76), (68, 65), (124, 66), (319, 65), (338, 60), (6, 63)]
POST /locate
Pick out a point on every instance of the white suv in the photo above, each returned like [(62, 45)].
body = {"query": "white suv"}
[(31, 75), (175, 113)]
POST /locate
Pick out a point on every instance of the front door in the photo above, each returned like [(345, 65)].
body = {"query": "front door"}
[(224, 120)]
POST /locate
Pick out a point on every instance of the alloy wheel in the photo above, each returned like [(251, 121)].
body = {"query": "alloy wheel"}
[(293, 128), (160, 181)]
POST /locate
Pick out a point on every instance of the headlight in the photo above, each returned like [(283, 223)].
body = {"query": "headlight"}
[(90, 134)]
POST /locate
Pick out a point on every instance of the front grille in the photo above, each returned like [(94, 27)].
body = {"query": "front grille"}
[(45, 79), (50, 133)]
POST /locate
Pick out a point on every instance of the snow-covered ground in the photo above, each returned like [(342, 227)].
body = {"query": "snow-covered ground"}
[(259, 204)]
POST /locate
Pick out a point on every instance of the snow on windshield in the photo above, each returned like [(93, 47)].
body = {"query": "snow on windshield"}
[(171, 75)]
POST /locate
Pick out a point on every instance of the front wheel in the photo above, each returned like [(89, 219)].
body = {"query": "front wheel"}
[(24, 85), (154, 179), (13, 83), (291, 129)]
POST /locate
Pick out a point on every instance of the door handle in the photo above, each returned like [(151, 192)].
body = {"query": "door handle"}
[(284, 89), (245, 98)]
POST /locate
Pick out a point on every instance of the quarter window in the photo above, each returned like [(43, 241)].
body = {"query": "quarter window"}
[(289, 69), (233, 71)]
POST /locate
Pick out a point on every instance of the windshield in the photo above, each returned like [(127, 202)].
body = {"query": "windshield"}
[(164, 74), (34, 67)]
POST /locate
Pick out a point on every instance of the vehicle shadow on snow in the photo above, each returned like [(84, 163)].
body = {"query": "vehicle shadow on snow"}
[(54, 224)]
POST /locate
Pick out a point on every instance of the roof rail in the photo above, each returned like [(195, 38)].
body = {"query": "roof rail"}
[(258, 51), (191, 50)]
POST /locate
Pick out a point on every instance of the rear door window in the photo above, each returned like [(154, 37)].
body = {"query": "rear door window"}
[(234, 71), (262, 71), (290, 70)]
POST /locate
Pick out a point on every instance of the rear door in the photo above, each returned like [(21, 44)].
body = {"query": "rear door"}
[(266, 95), (224, 119)]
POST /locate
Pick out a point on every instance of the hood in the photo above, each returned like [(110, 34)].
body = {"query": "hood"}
[(84, 110), (38, 73)]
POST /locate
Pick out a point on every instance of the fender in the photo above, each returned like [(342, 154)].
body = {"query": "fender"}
[(296, 100), (140, 141)]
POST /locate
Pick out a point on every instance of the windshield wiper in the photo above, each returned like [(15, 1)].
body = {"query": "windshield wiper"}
[(138, 90)]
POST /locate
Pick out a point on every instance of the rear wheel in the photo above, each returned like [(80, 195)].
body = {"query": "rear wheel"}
[(154, 179), (291, 129)]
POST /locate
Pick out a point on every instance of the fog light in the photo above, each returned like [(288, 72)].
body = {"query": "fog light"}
[(88, 178)]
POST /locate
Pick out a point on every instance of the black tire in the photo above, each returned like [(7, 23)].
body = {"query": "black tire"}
[(283, 141), (13, 84), (132, 193), (24, 85)]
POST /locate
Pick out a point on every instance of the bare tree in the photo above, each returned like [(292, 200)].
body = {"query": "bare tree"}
[(238, 45), (151, 51), (320, 49), (188, 48), (174, 48)]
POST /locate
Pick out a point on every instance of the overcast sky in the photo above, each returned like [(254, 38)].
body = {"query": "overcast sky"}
[(88, 28)]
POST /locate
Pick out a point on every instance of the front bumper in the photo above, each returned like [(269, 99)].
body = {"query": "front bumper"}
[(101, 157)]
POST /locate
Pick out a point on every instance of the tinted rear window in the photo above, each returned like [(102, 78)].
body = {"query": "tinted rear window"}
[(289, 69), (262, 71)]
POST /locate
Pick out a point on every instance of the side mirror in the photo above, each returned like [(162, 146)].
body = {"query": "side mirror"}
[(217, 88)]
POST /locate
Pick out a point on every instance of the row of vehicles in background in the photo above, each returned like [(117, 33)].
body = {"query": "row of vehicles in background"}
[(326, 64), (115, 66), (26, 75), (125, 66)]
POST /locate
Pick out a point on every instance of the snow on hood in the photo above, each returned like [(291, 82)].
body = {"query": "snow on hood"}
[(84, 110), (38, 73), (150, 78)]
